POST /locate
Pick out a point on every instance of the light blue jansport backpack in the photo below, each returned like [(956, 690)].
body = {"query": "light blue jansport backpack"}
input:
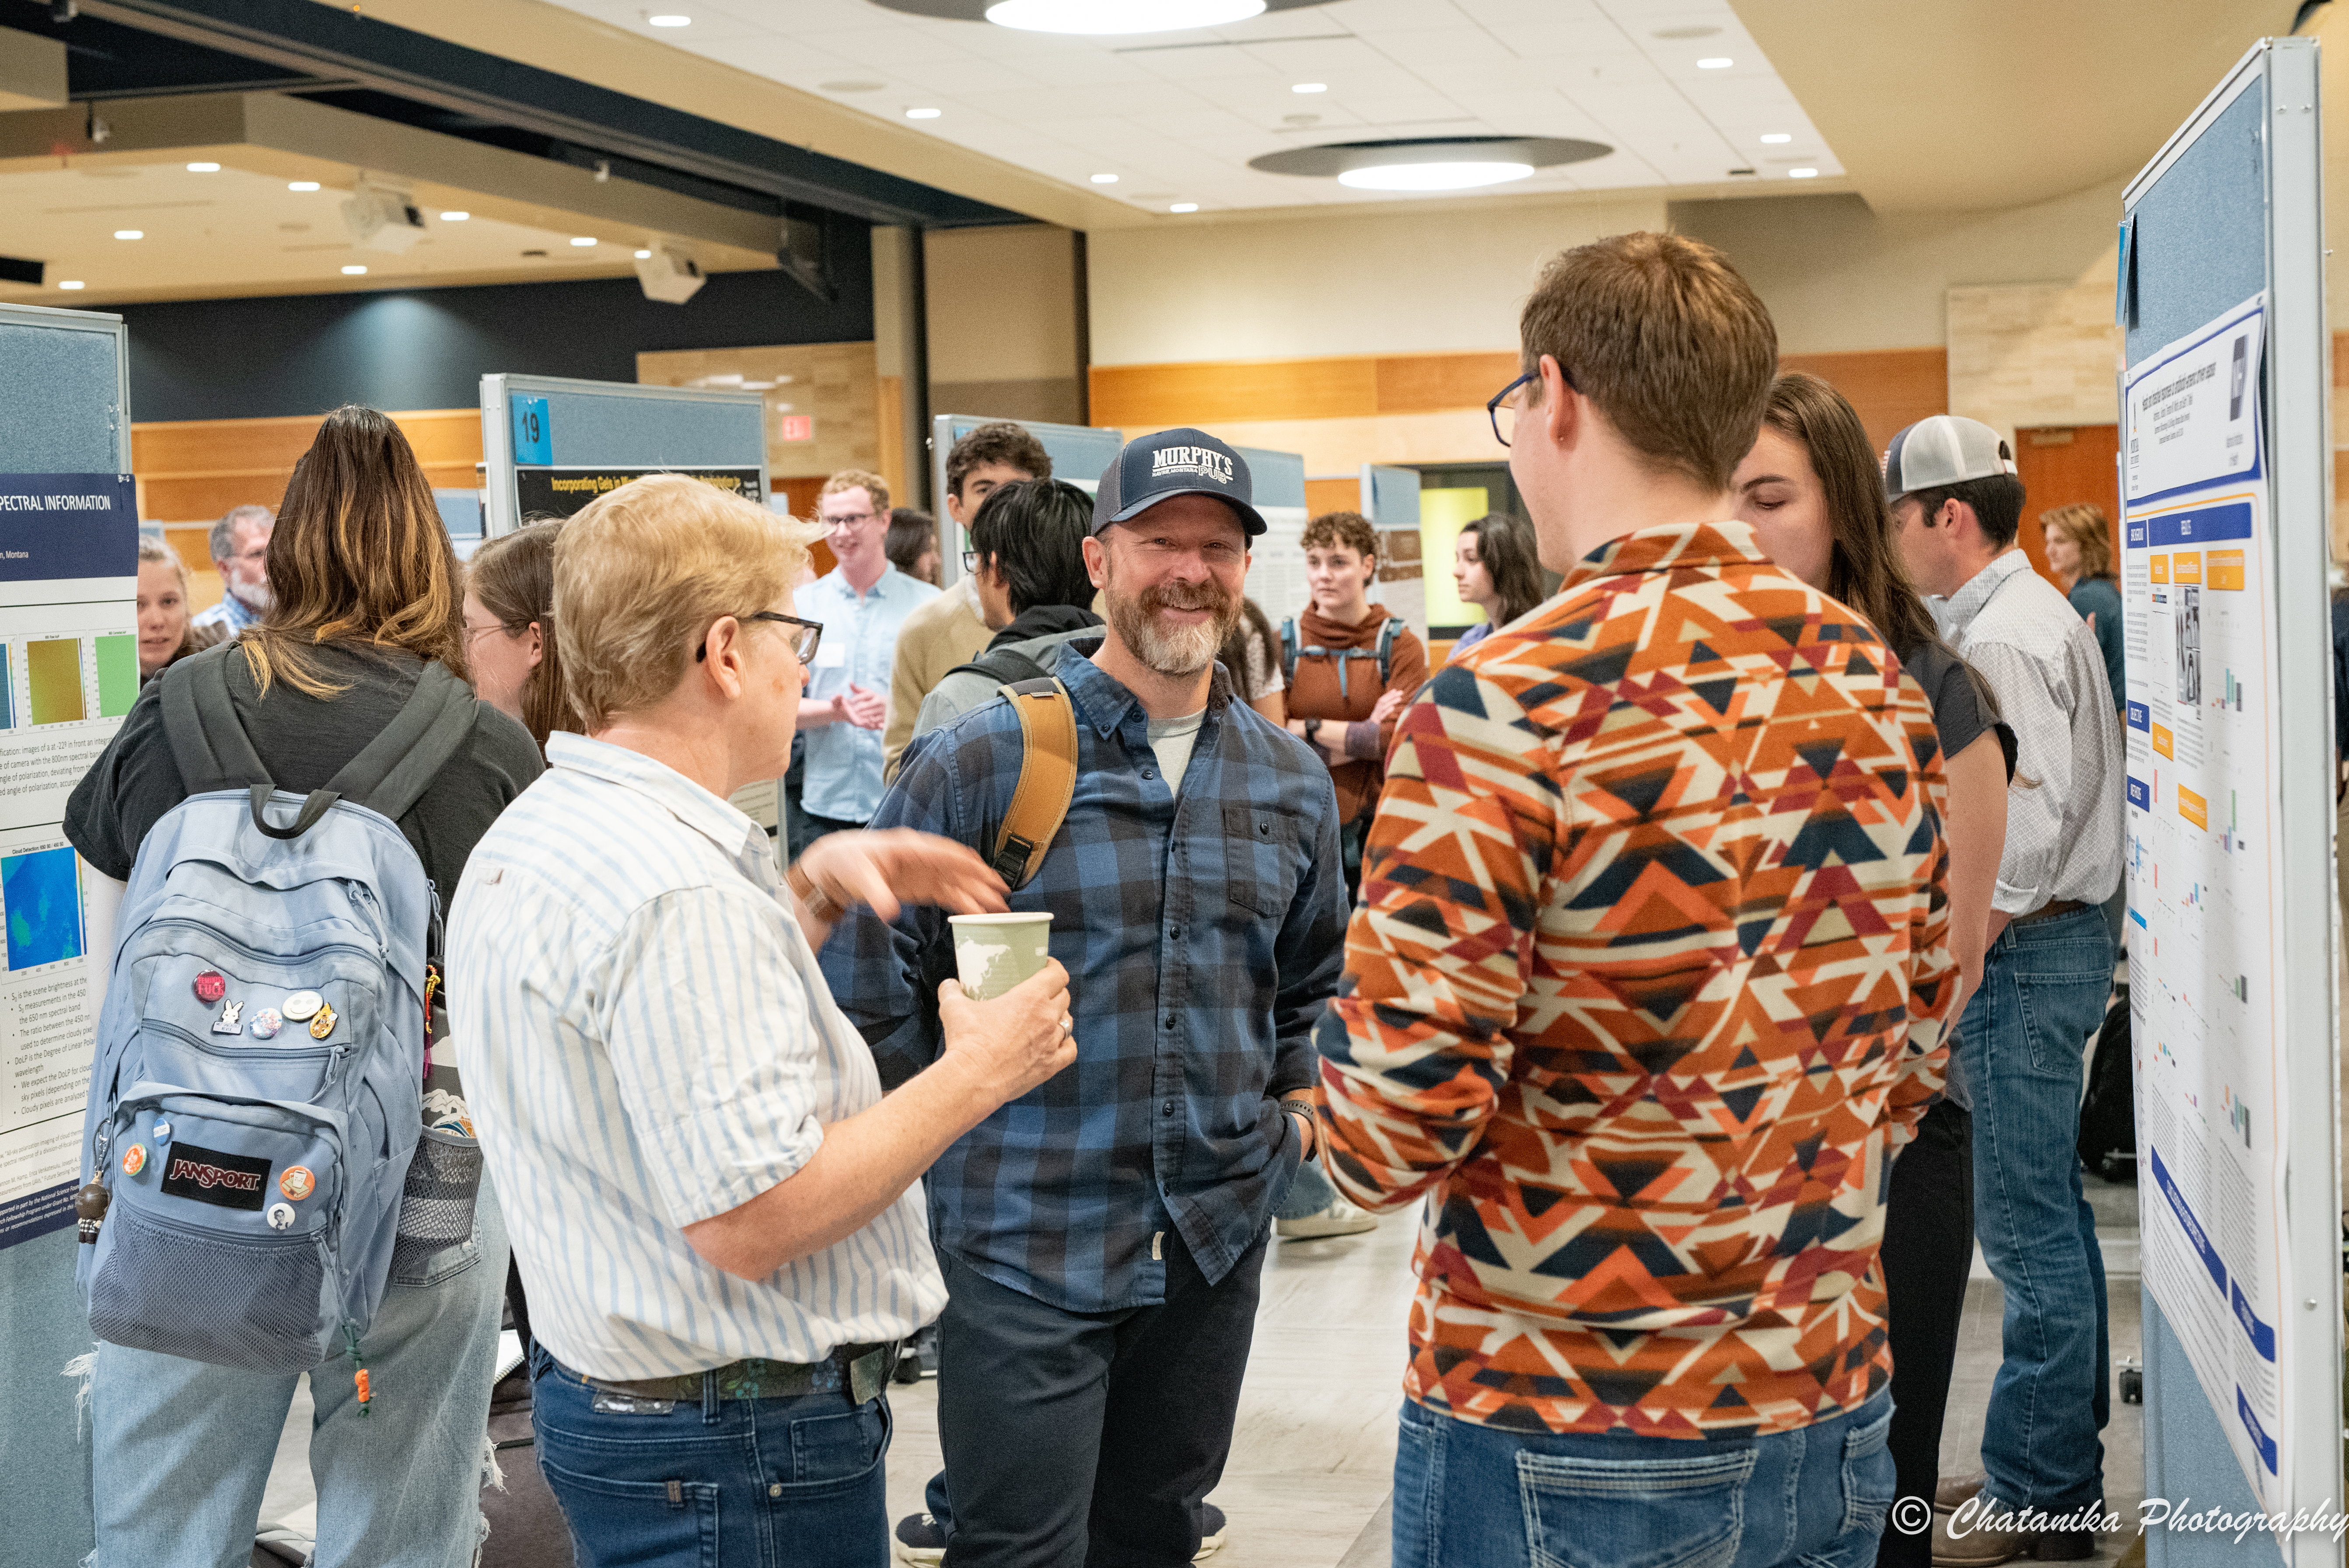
[(257, 1099)]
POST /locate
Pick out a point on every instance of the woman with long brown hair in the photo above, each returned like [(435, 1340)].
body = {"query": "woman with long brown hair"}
[(1814, 491), (364, 596)]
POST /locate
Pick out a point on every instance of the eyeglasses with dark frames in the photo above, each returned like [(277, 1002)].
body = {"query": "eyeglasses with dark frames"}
[(805, 639), (1499, 401)]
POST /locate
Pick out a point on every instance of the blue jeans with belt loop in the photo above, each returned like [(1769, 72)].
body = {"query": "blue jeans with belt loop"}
[(714, 1482), (1469, 1496), (2022, 1041)]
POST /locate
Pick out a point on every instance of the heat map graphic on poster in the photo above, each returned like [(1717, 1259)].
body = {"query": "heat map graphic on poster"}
[(2203, 876)]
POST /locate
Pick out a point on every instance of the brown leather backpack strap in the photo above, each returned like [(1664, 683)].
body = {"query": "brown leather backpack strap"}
[(1048, 778)]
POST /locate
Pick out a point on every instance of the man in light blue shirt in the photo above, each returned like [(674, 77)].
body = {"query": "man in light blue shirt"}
[(862, 601)]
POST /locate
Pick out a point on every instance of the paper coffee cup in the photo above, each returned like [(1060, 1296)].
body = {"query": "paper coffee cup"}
[(993, 952)]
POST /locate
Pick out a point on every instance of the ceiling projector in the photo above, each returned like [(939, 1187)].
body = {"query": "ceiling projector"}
[(382, 219), (669, 276)]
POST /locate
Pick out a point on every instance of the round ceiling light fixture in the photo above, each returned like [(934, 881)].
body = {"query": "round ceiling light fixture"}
[(1429, 163), (1100, 18)]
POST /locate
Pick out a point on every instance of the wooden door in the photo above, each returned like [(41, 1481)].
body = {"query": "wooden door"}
[(2059, 464)]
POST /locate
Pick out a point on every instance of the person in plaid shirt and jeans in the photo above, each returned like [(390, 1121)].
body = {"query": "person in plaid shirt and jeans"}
[(1648, 984), (1101, 1237)]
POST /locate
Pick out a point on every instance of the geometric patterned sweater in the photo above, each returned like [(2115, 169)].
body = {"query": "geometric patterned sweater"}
[(1648, 982)]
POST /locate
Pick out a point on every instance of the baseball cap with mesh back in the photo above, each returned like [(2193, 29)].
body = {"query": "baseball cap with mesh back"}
[(1946, 449)]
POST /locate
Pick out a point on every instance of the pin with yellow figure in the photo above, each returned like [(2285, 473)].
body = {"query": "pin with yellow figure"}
[(322, 1022)]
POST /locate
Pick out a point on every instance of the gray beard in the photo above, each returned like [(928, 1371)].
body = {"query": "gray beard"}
[(254, 596), (1179, 652)]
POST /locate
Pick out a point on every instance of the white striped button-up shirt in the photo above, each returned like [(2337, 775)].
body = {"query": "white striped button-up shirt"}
[(646, 1042)]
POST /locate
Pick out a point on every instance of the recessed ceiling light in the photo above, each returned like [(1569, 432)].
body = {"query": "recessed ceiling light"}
[(923, 113), (644, 255), (1311, 87), (1715, 63), (1465, 176), (1184, 206), (670, 21), (1104, 179), (456, 217), (1802, 174), (1118, 15), (69, 284), (1776, 139), (850, 87), (204, 169), (129, 233), (583, 241), (1431, 162), (354, 271), (302, 185)]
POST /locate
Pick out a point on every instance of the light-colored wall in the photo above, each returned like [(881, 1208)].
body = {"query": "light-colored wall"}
[(1400, 281), (1003, 322), (1839, 277)]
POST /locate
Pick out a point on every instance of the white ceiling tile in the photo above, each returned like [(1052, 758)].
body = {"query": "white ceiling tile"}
[(1186, 119)]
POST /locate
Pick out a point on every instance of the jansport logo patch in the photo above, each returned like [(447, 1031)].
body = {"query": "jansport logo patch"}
[(210, 1176), (1204, 460)]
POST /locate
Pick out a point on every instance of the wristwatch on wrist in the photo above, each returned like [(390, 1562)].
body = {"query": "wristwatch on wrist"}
[(1313, 732), (820, 905)]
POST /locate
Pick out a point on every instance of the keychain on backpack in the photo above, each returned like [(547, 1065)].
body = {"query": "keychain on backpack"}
[(360, 1373)]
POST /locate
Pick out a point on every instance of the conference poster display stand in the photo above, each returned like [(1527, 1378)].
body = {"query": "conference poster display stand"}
[(68, 672), (1081, 453), (2225, 485), (551, 445)]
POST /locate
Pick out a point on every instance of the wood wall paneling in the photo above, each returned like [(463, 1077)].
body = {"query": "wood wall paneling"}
[(889, 430), (193, 469), (1423, 383), (1332, 495), (832, 384), (1888, 388), (2060, 465)]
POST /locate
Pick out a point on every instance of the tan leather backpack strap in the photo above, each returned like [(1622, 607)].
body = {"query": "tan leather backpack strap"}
[(1048, 778)]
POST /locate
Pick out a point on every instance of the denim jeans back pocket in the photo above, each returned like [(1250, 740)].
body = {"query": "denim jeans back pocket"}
[(1635, 1514), (2062, 994), (1868, 1476), (664, 1521)]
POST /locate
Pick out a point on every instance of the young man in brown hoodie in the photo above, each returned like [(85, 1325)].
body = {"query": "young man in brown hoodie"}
[(1343, 696)]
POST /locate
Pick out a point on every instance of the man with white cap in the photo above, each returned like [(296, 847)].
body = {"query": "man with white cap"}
[(1957, 505)]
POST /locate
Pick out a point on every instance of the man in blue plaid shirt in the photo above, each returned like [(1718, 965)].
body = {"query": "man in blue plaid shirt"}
[(1103, 1235)]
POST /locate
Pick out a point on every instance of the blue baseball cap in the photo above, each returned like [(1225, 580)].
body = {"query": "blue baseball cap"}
[(1172, 463)]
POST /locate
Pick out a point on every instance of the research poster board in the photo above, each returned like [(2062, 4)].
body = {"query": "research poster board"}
[(68, 574), (2225, 487)]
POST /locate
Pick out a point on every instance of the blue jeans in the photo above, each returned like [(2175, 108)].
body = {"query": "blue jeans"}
[(715, 1482), (1467, 1496), (2042, 994), (182, 1449)]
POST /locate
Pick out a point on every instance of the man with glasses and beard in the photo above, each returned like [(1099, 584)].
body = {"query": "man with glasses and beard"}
[(1102, 1236)]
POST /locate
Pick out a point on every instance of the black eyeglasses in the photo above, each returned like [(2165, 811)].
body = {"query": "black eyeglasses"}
[(970, 563), (804, 640), (1498, 403)]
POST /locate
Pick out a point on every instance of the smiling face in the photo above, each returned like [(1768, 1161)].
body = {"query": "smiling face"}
[(1779, 493), (162, 615), (1171, 579), (856, 532)]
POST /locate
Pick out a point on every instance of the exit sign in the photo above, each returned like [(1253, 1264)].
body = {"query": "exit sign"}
[(798, 427)]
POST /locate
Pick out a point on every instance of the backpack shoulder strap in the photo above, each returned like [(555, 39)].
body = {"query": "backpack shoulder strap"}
[(398, 765), (1004, 665), (1048, 778), (1387, 635), (1288, 649), (208, 740)]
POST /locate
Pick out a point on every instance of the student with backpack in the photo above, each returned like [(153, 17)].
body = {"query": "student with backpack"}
[(1027, 563), (262, 1195), (1351, 668)]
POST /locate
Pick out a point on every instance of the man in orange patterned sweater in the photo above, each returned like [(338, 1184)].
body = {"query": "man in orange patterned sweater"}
[(1647, 986)]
